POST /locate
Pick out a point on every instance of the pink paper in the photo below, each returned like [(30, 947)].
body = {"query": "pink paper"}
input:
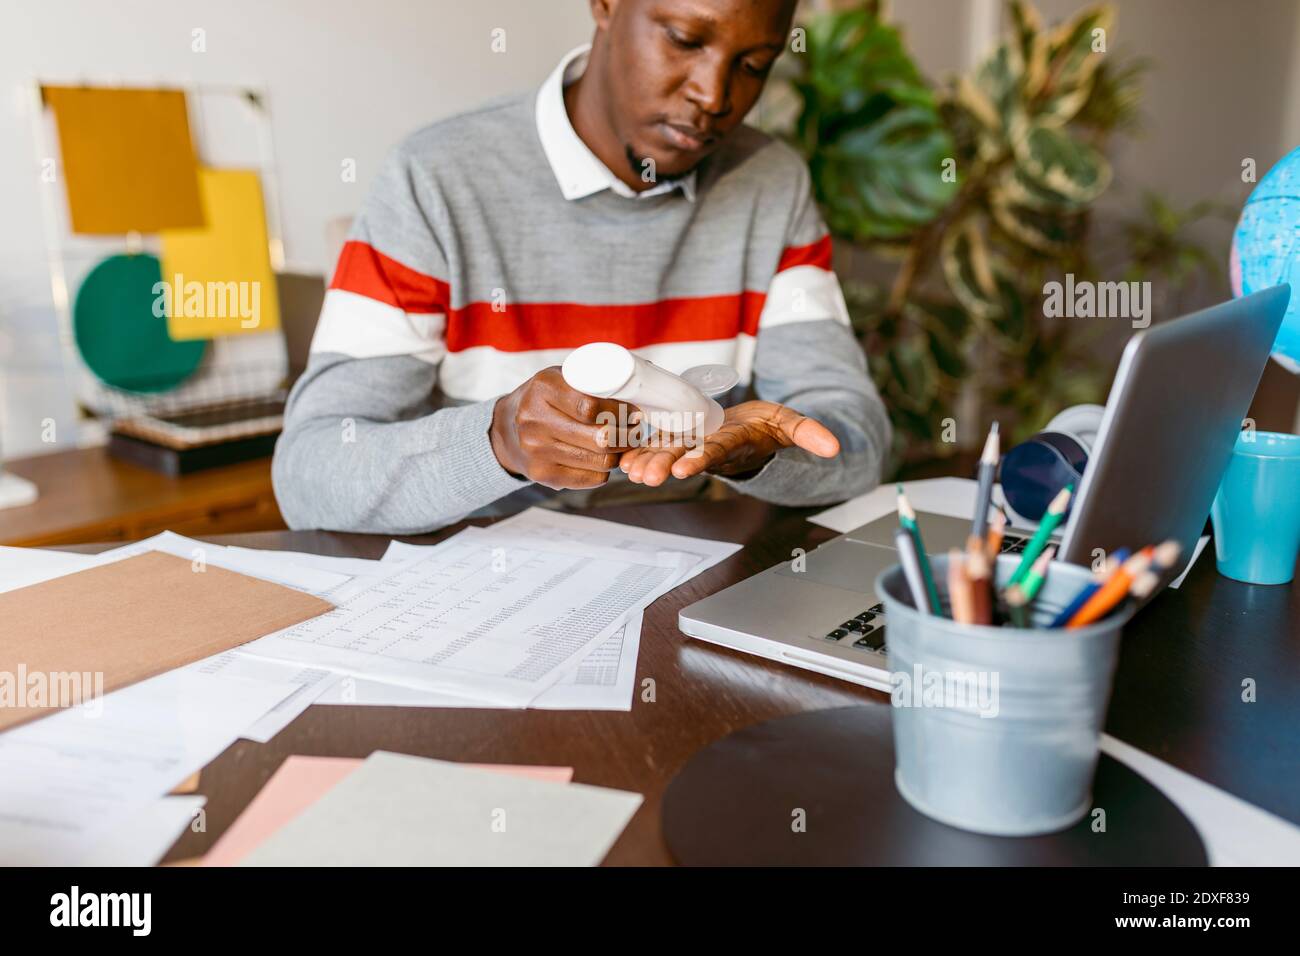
[(300, 782)]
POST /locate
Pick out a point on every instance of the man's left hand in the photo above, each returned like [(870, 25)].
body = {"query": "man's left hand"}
[(751, 433)]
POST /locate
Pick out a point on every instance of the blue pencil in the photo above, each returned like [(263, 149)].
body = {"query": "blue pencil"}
[(1089, 589)]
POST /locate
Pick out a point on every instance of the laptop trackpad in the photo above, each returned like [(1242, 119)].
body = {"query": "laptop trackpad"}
[(842, 563)]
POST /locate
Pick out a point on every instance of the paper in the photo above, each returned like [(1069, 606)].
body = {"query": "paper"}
[(128, 160), (396, 810), (65, 778), (483, 615), (300, 782), (350, 567), (115, 624), (219, 275), (301, 577), (954, 497), (20, 567), (309, 684), (1235, 832), (585, 530), (143, 837), (605, 678), (1196, 553)]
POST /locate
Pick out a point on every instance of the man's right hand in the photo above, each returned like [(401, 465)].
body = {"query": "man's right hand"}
[(558, 437)]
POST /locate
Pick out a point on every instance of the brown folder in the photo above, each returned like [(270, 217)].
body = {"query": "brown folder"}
[(129, 620)]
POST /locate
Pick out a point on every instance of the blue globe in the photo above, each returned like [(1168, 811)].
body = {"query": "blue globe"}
[(1266, 247)]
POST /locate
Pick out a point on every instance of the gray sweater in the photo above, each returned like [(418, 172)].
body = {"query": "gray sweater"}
[(468, 271)]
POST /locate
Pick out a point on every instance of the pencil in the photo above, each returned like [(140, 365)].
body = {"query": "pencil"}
[(997, 529), (907, 518), (960, 592), (1055, 515), (1089, 589), (1145, 584), (984, 491), (1016, 601), (1113, 591), (911, 569), (1033, 582), (980, 573), (1165, 556)]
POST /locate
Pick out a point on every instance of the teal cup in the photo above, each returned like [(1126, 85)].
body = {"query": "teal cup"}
[(1256, 514)]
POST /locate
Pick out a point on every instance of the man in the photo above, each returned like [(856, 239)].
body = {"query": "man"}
[(623, 202)]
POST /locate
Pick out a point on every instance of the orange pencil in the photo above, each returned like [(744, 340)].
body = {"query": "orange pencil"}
[(980, 573), (1114, 590), (959, 589), (997, 528)]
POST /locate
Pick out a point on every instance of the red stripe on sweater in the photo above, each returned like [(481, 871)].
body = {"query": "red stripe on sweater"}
[(814, 254), (367, 271), (562, 325), (524, 327)]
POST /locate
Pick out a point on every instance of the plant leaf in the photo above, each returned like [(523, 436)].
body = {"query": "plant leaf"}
[(1057, 162)]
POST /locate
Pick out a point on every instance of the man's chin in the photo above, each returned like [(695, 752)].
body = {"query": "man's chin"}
[(667, 164)]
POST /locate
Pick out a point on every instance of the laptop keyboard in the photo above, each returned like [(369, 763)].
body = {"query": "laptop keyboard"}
[(866, 631)]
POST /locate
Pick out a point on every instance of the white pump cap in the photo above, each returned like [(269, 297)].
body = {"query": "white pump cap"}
[(599, 369)]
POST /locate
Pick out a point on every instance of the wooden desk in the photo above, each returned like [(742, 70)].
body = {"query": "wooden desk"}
[(1177, 696), (88, 496)]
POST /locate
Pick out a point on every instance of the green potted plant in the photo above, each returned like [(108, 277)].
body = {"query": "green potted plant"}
[(955, 205)]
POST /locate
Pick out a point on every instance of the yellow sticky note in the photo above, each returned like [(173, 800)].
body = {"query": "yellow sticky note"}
[(128, 161), (218, 280)]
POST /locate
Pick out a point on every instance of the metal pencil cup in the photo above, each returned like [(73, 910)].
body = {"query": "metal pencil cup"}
[(997, 729)]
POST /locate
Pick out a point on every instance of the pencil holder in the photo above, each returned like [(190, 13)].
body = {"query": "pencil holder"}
[(997, 729)]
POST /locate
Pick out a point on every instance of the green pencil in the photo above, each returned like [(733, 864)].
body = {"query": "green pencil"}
[(1033, 581), (907, 518), (1051, 521)]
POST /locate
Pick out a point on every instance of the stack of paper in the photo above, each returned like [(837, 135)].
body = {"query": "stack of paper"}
[(300, 782), (397, 810), (542, 610)]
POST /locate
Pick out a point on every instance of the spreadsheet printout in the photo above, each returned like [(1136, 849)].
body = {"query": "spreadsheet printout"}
[(485, 615)]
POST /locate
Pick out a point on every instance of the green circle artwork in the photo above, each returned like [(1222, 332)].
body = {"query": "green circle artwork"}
[(117, 333)]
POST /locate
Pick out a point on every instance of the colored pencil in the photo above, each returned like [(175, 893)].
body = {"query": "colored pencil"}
[(1165, 556), (997, 529), (1033, 581), (1051, 520), (1145, 585), (961, 594), (988, 467), (911, 569), (1113, 591), (980, 572), (907, 518), (1089, 589), (1016, 601)]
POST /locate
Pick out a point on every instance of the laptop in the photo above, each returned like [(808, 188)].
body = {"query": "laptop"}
[(1171, 421)]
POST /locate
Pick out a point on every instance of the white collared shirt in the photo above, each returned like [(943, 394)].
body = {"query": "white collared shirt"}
[(577, 169)]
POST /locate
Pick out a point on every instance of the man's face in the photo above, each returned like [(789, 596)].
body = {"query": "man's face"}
[(684, 73)]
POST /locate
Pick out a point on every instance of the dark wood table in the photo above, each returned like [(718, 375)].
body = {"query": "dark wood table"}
[(1178, 694)]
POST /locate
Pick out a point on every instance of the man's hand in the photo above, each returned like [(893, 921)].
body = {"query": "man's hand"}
[(549, 433), (750, 434)]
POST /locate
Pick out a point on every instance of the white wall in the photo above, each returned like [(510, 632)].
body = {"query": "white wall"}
[(345, 79)]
